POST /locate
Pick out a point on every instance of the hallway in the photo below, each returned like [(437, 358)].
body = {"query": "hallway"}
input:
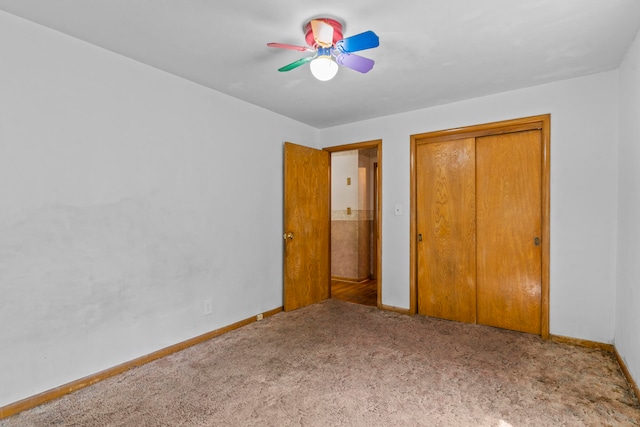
[(365, 293)]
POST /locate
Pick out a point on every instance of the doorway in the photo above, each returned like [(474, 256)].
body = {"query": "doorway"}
[(355, 173)]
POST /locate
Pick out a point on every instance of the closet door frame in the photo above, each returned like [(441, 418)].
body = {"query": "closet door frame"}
[(542, 123)]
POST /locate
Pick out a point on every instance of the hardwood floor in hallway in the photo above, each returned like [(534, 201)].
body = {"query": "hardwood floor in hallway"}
[(365, 293)]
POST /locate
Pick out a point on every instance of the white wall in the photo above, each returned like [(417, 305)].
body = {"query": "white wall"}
[(344, 164), (584, 123), (628, 292), (127, 197)]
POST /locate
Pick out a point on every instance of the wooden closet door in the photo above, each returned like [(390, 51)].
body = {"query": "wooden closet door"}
[(446, 252), (509, 215)]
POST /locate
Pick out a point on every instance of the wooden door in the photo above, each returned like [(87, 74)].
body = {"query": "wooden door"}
[(509, 213), (306, 226), (511, 210), (445, 198)]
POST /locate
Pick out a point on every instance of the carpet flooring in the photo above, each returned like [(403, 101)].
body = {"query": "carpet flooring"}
[(342, 364)]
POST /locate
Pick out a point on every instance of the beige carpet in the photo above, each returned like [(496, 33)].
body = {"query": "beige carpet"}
[(341, 364)]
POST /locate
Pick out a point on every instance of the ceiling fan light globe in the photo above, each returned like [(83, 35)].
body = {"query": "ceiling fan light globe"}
[(323, 68)]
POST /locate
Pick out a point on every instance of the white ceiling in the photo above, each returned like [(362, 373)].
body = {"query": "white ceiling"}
[(431, 51)]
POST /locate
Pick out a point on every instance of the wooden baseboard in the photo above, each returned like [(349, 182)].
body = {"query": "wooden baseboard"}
[(627, 374), (582, 343), (46, 396)]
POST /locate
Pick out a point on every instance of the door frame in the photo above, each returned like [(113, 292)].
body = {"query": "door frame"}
[(541, 122), (378, 220)]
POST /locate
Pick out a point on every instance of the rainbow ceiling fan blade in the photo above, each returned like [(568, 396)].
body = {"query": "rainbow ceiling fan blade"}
[(324, 36), (362, 41), (296, 64), (322, 33), (291, 47), (355, 62)]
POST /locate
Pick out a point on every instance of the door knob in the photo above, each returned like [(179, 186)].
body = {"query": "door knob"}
[(286, 236)]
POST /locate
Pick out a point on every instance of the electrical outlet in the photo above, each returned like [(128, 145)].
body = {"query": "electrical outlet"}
[(259, 317), (207, 306)]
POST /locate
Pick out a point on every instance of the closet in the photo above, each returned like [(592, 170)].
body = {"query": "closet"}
[(480, 224)]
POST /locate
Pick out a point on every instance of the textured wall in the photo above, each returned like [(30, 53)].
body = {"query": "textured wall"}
[(351, 244)]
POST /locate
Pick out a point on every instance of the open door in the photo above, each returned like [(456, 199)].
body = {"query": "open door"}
[(306, 226)]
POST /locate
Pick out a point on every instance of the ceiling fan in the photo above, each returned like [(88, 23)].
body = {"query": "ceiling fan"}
[(324, 36)]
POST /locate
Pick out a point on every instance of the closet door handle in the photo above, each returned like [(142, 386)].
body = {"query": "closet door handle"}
[(419, 237), (536, 240)]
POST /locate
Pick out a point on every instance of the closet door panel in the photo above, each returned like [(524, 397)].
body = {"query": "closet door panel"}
[(509, 215), (446, 250)]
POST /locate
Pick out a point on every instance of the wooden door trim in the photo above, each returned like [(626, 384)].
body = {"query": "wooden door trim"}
[(377, 143), (486, 129), (546, 234), (541, 122)]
